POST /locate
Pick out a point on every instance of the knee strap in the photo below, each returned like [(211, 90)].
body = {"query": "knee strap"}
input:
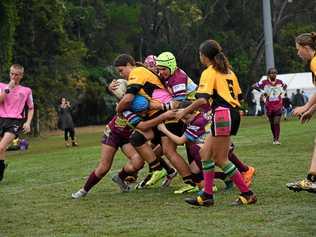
[(137, 139)]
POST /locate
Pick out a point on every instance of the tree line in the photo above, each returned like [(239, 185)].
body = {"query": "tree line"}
[(67, 46)]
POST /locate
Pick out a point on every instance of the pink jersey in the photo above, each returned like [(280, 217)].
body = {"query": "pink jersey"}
[(14, 102), (273, 92)]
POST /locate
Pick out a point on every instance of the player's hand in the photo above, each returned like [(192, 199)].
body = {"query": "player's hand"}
[(11, 84), (161, 127), (170, 114), (298, 111), (180, 114), (306, 116), (113, 85), (154, 104), (26, 127)]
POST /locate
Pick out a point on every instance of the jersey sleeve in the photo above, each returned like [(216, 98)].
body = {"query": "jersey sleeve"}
[(206, 86), (29, 101)]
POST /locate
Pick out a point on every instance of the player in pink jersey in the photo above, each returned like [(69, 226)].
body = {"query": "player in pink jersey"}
[(273, 89), (13, 98)]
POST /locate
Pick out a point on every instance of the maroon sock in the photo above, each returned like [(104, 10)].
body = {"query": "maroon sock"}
[(91, 181), (238, 163), (220, 175), (276, 131)]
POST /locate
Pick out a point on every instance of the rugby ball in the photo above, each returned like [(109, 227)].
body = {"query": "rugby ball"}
[(119, 92)]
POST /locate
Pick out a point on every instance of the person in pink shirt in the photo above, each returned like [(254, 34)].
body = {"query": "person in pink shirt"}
[(13, 98), (273, 89)]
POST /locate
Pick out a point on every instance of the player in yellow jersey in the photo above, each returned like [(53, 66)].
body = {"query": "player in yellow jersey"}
[(143, 82), (306, 49), (218, 95)]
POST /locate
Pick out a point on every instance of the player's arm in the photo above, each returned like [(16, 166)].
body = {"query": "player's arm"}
[(192, 107), (145, 125), (176, 139)]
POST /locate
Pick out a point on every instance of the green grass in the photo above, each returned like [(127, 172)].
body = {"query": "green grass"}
[(35, 194)]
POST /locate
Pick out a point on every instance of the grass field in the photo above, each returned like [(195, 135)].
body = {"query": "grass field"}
[(35, 193)]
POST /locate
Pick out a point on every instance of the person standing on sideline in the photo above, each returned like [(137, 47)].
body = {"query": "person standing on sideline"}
[(66, 122), (298, 99), (306, 49), (13, 99), (287, 106), (273, 88)]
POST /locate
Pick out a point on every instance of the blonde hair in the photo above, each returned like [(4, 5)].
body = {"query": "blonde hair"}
[(18, 67)]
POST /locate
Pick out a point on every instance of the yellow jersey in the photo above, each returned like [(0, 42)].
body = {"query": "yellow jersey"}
[(142, 81), (222, 89), (313, 69)]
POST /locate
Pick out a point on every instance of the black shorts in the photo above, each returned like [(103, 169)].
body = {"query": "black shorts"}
[(11, 125), (176, 127)]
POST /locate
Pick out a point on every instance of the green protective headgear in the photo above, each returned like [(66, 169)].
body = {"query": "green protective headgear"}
[(168, 60)]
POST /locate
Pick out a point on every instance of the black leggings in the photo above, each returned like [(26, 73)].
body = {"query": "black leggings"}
[(71, 132)]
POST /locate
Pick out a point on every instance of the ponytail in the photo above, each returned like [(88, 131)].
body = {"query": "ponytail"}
[(221, 63)]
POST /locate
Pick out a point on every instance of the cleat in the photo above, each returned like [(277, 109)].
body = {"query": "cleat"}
[(142, 184), (303, 185), (74, 144), (245, 200), (248, 175), (200, 200), (3, 166), (156, 176), (276, 142), (81, 193), (121, 183), (187, 188), (168, 179), (67, 144)]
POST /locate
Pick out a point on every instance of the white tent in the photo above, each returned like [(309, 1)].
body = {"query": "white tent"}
[(294, 81)]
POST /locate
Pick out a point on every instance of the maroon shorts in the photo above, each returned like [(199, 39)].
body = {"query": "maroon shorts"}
[(113, 139), (274, 113)]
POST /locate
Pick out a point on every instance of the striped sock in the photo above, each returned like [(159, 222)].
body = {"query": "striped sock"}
[(231, 171), (208, 174)]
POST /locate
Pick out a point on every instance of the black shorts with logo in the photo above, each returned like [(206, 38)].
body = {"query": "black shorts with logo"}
[(11, 125)]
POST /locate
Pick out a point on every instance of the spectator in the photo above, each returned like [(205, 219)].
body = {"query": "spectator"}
[(305, 97), (262, 104), (287, 106), (66, 122), (298, 99), (251, 102)]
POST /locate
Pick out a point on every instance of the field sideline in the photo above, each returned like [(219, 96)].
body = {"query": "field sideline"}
[(35, 193)]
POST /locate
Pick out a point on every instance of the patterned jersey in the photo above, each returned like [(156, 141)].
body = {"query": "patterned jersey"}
[(123, 126), (313, 69), (273, 91), (223, 89), (14, 102), (143, 82), (198, 128), (177, 84)]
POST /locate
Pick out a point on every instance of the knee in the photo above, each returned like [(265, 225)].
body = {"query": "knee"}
[(137, 139)]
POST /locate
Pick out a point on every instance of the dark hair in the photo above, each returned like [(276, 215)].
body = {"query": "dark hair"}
[(272, 69), (307, 39), (212, 50), (123, 60)]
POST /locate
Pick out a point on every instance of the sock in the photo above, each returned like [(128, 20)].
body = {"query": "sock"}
[(165, 165), (231, 171), (311, 178), (272, 129), (197, 178), (208, 174), (123, 174), (238, 163), (1, 162), (189, 180), (219, 175), (276, 131), (155, 165), (91, 181)]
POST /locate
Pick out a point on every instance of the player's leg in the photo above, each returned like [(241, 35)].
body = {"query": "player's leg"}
[(6, 140)]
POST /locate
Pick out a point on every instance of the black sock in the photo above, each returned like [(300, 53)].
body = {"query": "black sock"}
[(311, 178), (167, 167), (189, 180)]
